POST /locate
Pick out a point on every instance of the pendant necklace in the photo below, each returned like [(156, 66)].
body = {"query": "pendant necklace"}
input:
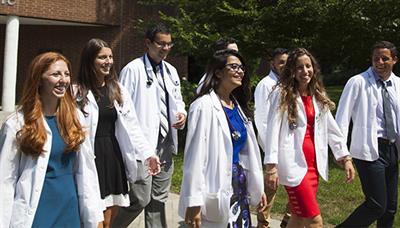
[(234, 133)]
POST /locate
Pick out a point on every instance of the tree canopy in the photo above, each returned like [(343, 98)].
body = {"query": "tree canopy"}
[(339, 32)]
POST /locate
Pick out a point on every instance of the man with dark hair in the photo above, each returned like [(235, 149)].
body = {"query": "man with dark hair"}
[(154, 86), (225, 43), (262, 108), (371, 101), (221, 44), (152, 31)]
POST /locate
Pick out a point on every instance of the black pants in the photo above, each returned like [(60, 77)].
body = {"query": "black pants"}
[(379, 183)]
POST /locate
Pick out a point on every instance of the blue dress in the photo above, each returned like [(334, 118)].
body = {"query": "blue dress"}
[(58, 204), (237, 123), (239, 200)]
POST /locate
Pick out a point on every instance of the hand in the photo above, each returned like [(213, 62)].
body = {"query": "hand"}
[(262, 204), (350, 172), (193, 216), (180, 120), (271, 177), (153, 164)]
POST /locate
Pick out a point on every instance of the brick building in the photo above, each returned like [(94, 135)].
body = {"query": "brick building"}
[(29, 27)]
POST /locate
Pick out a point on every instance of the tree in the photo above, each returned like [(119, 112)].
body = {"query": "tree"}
[(338, 32)]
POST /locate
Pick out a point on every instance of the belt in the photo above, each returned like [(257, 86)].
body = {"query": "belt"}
[(386, 141)]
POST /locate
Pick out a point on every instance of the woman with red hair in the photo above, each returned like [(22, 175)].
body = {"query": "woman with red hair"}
[(47, 175)]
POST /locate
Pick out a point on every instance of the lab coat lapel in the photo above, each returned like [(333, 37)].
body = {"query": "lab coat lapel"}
[(47, 145), (167, 79), (371, 78), (149, 68), (220, 114), (302, 118), (317, 110), (374, 87), (93, 114)]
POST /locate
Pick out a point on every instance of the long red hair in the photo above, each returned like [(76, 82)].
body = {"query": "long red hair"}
[(32, 136)]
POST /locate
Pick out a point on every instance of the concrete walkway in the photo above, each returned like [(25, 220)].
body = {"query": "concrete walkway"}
[(175, 221)]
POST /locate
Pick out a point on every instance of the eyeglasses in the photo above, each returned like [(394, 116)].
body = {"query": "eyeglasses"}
[(235, 67), (162, 45)]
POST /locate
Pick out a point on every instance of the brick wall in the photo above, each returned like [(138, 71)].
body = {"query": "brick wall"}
[(65, 39), (87, 11), (127, 43)]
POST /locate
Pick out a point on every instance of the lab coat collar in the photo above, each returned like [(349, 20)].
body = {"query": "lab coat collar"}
[(316, 108), (147, 63), (303, 118), (217, 105), (47, 145), (220, 113), (273, 75), (371, 76), (148, 67), (91, 98), (215, 100)]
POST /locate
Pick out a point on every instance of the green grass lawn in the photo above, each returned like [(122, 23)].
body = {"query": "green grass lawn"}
[(336, 199), (334, 93), (178, 172)]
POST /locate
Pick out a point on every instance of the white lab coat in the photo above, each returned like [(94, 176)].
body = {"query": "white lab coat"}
[(358, 103), (145, 97), (262, 106), (207, 175), (129, 135), (22, 177), (285, 146)]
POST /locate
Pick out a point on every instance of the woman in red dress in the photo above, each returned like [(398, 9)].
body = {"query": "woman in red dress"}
[(297, 150)]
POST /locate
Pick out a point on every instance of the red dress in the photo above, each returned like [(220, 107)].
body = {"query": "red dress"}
[(303, 198)]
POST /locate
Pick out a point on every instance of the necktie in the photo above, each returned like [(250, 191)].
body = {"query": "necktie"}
[(390, 131), (164, 126)]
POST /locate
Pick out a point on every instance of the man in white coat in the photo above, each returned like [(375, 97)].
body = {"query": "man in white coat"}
[(371, 101), (154, 86), (262, 107)]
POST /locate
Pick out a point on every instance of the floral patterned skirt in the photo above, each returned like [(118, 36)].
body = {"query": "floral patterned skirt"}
[(239, 214)]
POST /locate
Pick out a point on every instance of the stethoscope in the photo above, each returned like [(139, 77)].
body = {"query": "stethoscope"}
[(149, 80), (234, 133)]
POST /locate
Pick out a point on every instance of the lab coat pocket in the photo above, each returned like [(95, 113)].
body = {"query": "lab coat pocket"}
[(213, 209), (288, 159)]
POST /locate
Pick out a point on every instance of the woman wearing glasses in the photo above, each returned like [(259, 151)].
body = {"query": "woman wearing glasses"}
[(222, 166), (300, 131)]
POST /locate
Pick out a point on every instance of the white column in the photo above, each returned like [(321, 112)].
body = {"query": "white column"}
[(10, 64)]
